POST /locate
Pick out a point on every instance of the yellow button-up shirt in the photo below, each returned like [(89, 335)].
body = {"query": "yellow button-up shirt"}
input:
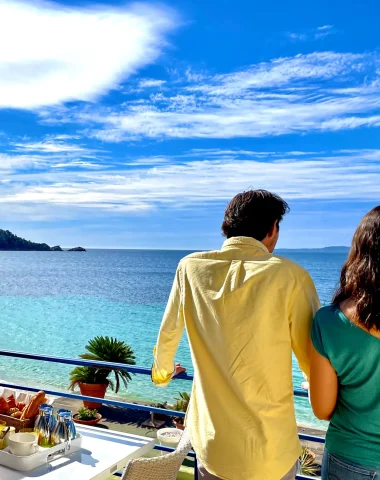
[(244, 310)]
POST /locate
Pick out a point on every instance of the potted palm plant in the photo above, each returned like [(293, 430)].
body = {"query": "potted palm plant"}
[(94, 381), (181, 405)]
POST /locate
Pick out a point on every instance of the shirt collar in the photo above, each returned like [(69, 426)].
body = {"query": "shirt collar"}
[(245, 241)]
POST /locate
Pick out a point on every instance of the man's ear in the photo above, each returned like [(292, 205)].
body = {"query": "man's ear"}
[(274, 229)]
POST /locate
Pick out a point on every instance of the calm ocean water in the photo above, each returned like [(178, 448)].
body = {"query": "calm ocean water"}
[(53, 303)]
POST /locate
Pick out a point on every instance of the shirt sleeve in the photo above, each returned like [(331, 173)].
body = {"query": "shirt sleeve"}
[(169, 336), (304, 306), (316, 337)]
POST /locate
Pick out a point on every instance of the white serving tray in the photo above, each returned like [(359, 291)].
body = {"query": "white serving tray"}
[(42, 457)]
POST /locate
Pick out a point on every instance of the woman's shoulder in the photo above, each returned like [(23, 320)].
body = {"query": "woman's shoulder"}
[(328, 316), (329, 330)]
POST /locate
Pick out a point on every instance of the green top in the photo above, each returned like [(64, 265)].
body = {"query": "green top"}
[(354, 431)]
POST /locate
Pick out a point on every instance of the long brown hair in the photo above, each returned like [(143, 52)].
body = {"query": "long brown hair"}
[(360, 277)]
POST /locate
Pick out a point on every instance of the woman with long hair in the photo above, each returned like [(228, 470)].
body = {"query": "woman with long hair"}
[(345, 362)]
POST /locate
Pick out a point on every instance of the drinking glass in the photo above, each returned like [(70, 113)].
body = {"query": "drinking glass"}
[(2, 440), (62, 410), (42, 427), (61, 431), (70, 424), (50, 415)]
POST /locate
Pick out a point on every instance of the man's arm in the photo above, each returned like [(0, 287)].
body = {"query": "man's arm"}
[(303, 308), (169, 337)]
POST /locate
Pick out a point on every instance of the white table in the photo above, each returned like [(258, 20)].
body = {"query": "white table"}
[(103, 453)]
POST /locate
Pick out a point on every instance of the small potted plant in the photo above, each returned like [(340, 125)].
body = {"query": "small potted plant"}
[(307, 459), (85, 416), (93, 381), (181, 405)]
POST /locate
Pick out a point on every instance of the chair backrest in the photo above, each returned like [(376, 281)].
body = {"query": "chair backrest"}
[(165, 467)]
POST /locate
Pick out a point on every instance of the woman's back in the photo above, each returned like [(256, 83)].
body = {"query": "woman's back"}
[(345, 362), (354, 431)]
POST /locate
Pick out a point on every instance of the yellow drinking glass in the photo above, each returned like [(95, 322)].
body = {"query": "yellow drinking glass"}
[(41, 441), (2, 443)]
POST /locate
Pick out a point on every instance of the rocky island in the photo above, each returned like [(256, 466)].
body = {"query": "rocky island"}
[(9, 241)]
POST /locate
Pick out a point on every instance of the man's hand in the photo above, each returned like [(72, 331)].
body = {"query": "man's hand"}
[(305, 386), (178, 369)]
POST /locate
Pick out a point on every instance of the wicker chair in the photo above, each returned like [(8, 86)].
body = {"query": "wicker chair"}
[(165, 467)]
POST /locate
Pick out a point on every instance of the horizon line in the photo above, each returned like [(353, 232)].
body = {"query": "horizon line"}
[(201, 249)]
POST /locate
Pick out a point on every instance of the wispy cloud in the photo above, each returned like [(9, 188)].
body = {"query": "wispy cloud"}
[(312, 34), (297, 36), (13, 163), (73, 53), (43, 157), (194, 76), (320, 91), (295, 175), (48, 147), (324, 31), (151, 82)]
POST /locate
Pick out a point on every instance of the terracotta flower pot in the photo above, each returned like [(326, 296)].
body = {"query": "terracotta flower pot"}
[(93, 390), (87, 422)]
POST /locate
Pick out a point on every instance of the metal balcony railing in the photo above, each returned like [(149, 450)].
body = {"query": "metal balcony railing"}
[(117, 403)]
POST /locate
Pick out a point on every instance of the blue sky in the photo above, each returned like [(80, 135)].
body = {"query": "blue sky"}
[(132, 125)]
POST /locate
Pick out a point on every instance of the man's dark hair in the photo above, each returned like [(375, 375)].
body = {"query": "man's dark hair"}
[(253, 213)]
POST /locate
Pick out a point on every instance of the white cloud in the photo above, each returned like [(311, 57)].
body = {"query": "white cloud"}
[(48, 147), (297, 36), (312, 34), (9, 163), (38, 160), (315, 92), (53, 53), (193, 76), (324, 31), (321, 176), (151, 83), (78, 164), (285, 71)]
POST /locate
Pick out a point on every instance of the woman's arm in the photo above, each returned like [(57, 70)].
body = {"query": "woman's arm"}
[(323, 386)]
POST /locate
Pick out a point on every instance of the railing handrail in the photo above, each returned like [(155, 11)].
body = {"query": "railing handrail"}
[(86, 363), (93, 363), (106, 401)]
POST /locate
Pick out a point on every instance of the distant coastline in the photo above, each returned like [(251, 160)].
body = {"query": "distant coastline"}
[(9, 242), (338, 249), (332, 249)]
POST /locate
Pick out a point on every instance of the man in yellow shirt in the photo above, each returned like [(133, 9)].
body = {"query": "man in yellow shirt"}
[(244, 310)]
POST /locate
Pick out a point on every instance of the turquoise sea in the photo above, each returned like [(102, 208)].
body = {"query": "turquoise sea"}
[(54, 302)]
